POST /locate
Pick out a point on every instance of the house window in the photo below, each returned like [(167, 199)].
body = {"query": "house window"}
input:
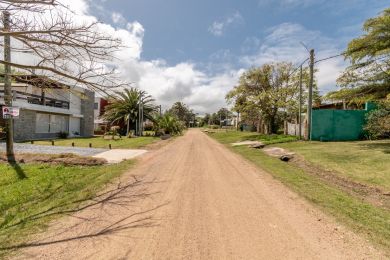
[(47, 123), (96, 106)]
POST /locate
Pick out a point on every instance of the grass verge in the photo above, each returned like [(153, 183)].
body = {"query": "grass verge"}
[(364, 218), (100, 142), (366, 162), (33, 194)]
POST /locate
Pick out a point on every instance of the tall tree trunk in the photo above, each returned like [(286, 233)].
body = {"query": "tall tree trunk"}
[(128, 127)]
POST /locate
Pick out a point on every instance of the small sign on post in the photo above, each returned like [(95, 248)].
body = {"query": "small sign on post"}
[(9, 112)]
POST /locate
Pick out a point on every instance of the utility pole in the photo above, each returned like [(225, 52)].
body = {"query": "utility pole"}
[(8, 88), (310, 99), (300, 104)]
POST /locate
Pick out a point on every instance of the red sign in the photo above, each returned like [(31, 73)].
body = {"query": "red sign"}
[(10, 112)]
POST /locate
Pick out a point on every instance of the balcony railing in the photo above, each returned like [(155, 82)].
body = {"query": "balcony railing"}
[(38, 100)]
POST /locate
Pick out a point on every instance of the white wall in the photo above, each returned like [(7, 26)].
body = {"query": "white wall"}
[(75, 103)]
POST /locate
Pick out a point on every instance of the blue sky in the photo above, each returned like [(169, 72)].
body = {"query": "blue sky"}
[(194, 51)]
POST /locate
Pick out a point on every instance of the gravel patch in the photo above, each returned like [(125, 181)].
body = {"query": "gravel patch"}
[(47, 149)]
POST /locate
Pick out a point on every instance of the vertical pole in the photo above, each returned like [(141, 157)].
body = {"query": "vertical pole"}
[(160, 111), (300, 104), (238, 120), (8, 88), (142, 118), (310, 99), (139, 118)]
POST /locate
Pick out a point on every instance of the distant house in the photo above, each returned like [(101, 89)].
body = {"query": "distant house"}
[(48, 108)]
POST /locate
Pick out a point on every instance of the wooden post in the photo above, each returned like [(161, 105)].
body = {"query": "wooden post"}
[(52, 143), (90, 145)]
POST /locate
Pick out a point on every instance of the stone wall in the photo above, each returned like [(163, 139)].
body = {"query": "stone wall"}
[(87, 110), (24, 126)]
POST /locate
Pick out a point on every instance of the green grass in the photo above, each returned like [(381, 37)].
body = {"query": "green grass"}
[(236, 136), (364, 218), (100, 142), (28, 204), (366, 162)]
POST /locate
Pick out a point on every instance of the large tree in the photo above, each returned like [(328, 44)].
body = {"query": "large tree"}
[(368, 76), (265, 93), (182, 112)]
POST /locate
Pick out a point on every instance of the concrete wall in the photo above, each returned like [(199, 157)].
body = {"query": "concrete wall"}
[(87, 110), (24, 126)]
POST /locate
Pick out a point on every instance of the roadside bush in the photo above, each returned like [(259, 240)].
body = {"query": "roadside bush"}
[(378, 123), (63, 135), (168, 125), (114, 131), (148, 126)]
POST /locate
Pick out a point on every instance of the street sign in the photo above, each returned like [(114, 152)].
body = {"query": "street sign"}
[(10, 112)]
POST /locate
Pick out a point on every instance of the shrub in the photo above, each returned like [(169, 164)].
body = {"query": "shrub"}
[(378, 123), (148, 126), (168, 125), (63, 135), (114, 131)]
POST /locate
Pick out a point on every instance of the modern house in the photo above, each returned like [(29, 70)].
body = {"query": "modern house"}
[(48, 108)]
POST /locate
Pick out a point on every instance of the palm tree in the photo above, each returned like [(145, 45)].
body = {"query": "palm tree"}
[(124, 106)]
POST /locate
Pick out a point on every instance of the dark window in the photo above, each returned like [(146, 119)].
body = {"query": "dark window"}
[(96, 106)]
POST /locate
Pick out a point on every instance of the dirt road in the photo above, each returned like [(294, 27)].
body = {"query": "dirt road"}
[(195, 199)]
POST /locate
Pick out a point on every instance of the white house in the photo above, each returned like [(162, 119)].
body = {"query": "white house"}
[(48, 108)]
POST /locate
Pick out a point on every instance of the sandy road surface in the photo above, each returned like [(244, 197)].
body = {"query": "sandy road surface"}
[(195, 199)]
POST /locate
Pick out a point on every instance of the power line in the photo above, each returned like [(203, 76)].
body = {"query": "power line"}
[(330, 57)]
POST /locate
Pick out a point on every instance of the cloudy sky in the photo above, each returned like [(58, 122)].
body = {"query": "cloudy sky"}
[(194, 51)]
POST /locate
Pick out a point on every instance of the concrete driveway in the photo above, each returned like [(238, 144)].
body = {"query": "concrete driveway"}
[(112, 156)]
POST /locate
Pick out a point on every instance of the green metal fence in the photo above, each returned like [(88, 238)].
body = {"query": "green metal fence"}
[(338, 125)]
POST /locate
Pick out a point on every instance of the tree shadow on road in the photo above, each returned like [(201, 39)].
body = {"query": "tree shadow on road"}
[(122, 197)]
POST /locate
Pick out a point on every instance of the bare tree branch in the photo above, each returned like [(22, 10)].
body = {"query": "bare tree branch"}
[(72, 52)]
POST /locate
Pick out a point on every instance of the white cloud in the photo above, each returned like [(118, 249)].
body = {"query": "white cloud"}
[(283, 43), (202, 91), (118, 18), (167, 84), (218, 28)]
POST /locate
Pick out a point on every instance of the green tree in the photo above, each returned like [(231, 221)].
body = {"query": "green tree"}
[(263, 94), (224, 113), (368, 76), (182, 112), (124, 107), (206, 119)]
